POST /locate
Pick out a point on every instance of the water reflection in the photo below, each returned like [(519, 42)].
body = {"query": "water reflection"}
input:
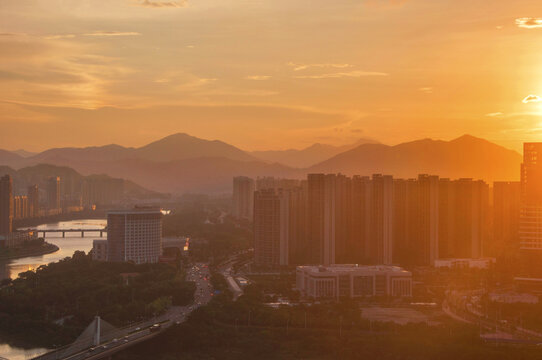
[(67, 245)]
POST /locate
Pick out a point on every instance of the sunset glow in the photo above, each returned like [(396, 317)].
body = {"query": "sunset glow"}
[(289, 73)]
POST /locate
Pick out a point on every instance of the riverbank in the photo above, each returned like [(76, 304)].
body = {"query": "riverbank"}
[(81, 215), (37, 250)]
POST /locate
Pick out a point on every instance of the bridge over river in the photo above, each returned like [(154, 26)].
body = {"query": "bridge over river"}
[(82, 231)]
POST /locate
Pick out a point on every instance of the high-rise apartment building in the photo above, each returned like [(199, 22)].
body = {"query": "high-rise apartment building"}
[(53, 193), (381, 246), (20, 207), (463, 218), (101, 191), (134, 235), (335, 219), (6, 205), (506, 212), (271, 228), (530, 226), (243, 198), (33, 200), (416, 221)]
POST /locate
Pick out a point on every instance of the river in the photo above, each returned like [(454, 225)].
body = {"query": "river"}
[(67, 246)]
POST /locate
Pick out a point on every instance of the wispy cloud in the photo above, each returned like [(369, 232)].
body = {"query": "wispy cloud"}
[(532, 98), (258, 77), (529, 23), (356, 73), (112, 33), (60, 36), (298, 67), (495, 114), (163, 4), (427, 90)]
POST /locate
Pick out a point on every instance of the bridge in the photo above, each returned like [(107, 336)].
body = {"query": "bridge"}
[(64, 231), (101, 340)]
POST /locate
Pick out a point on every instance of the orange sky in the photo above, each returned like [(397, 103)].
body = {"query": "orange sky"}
[(268, 74)]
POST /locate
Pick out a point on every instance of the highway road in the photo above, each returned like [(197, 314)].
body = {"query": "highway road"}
[(460, 305), (199, 273)]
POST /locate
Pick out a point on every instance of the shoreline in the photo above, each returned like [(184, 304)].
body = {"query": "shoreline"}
[(47, 249)]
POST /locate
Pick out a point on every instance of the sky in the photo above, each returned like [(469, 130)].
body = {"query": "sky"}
[(272, 74)]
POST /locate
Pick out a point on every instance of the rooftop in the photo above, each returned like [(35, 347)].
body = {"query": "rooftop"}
[(353, 267)]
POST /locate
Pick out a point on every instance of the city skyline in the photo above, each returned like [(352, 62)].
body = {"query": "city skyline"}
[(128, 71)]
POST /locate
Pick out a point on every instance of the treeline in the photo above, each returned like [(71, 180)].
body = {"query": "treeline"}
[(53, 305)]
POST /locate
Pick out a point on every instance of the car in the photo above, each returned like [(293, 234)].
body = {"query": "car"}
[(155, 328), (115, 340)]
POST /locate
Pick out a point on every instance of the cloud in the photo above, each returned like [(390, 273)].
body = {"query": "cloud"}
[(356, 73), (427, 90), (298, 67), (532, 98), (529, 23), (258, 77), (163, 4), (56, 37), (495, 114), (112, 33)]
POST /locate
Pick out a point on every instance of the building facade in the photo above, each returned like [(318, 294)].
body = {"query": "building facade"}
[(134, 235), (53, 194), (530, 224), (506, 213), (353, 281), (99, 250), (6, 205), (243, 198), (33, 196)]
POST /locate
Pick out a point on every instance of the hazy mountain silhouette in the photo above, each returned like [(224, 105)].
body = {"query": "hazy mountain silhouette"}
[(24, 153), (466, 156), (183, 146), (170, 148), (94, 153), (9, 158), (181, 163), (308, 156)]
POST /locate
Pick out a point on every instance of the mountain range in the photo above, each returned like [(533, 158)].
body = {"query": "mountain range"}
[(308, 156), (181, 163)]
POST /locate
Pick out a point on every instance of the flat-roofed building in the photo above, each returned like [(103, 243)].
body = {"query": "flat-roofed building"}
[(134, 235), (353, 281), (99, 250)]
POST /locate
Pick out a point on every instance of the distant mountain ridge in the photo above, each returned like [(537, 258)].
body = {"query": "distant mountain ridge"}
[(181, 163), (174, 147), (466, 156), (308, 156)]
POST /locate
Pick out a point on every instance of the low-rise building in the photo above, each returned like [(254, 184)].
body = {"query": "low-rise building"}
[(353, 281), (99, 250), (482, 263)]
